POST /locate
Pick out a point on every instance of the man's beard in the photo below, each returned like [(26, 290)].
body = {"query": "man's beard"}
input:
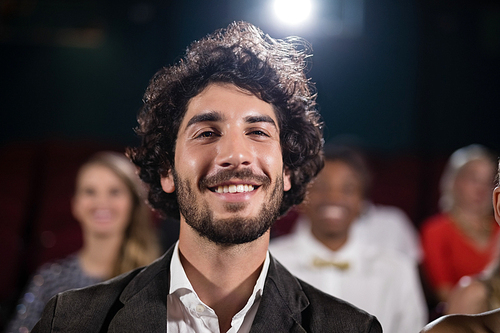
[(236, 230)]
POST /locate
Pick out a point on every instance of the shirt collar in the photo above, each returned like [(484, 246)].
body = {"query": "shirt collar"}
[(257, 289), (179, 279)]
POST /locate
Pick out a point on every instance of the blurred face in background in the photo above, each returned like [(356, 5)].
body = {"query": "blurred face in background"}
[(473, 185), (335, 200), (102, 202)]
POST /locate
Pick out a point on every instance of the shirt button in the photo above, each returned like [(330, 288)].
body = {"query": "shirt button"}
[(200, 308)]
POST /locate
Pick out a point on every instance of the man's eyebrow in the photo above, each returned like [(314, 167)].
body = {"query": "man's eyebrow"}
[(207, 116), (260, 119)]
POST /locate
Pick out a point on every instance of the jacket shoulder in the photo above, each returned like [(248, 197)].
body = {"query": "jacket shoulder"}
[(86, 307), (94, 307)]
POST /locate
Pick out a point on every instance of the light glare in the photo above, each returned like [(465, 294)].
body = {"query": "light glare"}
[(292, 11)]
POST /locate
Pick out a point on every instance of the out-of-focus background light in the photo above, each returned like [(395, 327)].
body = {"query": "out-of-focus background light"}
[(292, 12)]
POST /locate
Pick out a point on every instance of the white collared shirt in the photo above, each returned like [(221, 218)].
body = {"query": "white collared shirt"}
[(186, 313), (382, 282)]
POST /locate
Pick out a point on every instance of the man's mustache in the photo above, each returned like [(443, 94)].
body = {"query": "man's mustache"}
[(227, 175)]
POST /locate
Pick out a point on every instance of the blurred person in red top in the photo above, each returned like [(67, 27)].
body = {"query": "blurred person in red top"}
[(462, 239), (487, 321)]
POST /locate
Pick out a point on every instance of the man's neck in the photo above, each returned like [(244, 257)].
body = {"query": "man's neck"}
[(222, 276)]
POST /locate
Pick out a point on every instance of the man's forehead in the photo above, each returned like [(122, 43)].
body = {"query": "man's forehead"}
[(217, 116), (222, 102)]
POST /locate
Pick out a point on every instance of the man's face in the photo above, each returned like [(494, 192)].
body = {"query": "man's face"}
[(228, 173), (335, 200)]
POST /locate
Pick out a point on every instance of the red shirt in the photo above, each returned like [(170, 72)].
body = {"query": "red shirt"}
[(449, 254)]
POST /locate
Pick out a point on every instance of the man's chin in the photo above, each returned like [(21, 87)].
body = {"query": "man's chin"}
[(235, 207), (233, 232)]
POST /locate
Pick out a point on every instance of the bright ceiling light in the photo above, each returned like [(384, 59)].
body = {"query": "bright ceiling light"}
[(292, 11)]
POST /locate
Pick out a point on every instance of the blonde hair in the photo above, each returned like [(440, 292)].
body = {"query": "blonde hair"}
[(140, 245), (455, 163)]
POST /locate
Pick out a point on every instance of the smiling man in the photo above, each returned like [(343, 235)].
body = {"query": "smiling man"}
[(231, 189), (230, 139)]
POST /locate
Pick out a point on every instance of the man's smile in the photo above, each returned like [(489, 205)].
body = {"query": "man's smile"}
[(234, 182), (234, 188)]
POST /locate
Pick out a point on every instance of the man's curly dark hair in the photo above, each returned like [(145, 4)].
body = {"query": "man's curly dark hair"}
[(242, 55)]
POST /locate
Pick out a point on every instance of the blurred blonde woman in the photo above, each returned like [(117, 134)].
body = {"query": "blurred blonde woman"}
[(117, 229), (462, 239)]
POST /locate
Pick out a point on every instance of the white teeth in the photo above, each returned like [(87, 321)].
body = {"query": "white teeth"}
[(234, 188)]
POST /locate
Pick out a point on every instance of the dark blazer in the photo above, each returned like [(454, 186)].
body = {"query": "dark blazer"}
[(136, 302)]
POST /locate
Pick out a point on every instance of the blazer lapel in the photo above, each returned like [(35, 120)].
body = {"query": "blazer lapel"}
[(144, 300), (282, 302)]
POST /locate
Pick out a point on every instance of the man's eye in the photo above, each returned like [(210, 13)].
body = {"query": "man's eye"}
[(206, 134), (259, 133)]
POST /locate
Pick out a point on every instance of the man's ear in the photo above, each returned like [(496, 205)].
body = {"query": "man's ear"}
[(167, 183), (496, 203), (287, 183)]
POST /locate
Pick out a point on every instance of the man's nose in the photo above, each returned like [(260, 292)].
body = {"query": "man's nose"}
[(234, 150)]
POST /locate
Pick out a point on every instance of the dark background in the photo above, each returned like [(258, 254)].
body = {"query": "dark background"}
[(416, 76), (409, 81)]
